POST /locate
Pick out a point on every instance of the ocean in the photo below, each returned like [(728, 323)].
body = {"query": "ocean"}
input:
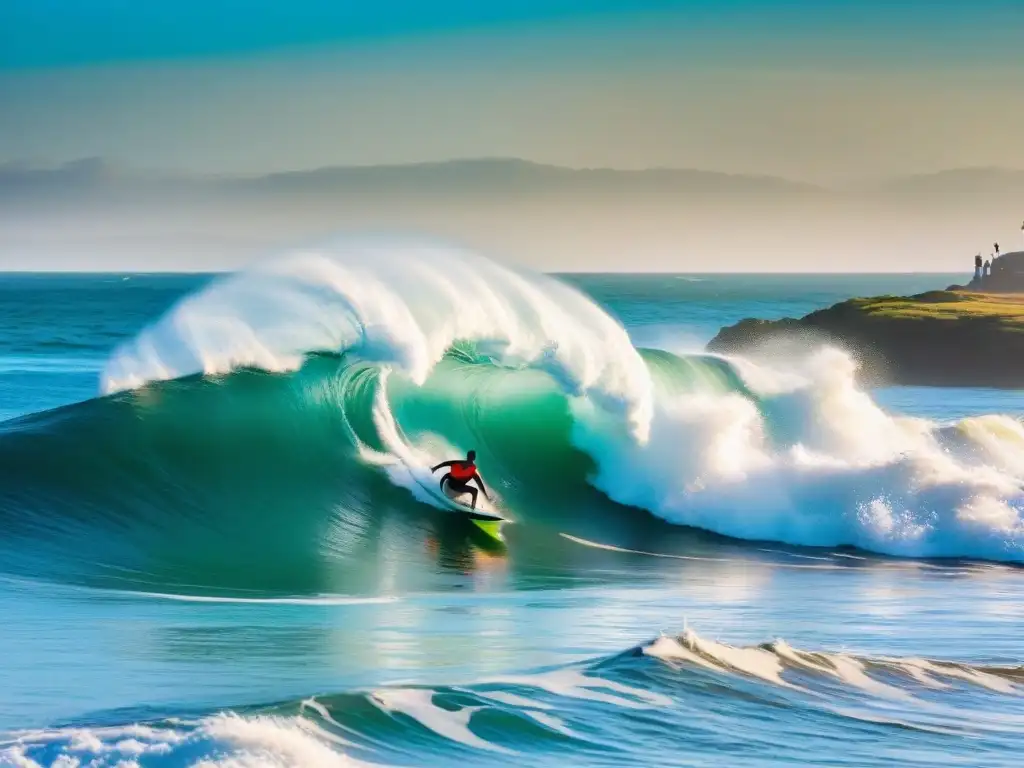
[(219, 543)]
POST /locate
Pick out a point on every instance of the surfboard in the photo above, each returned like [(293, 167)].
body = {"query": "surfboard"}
[(489, 522)]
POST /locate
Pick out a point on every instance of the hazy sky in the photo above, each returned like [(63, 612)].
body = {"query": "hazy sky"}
[(835, 92), (830, 92)]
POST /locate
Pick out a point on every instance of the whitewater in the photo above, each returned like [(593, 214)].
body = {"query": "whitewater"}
[(792, 452), (220, 546)]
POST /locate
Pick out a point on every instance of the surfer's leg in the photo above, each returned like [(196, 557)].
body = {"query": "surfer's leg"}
[(472, 492), (444, 480)]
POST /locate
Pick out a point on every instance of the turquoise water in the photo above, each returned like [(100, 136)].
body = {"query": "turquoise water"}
[(709, 563)]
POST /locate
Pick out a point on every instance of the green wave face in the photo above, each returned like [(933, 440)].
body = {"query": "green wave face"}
[(258, 481)]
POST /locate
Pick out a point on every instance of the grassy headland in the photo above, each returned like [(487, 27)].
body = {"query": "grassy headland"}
[(1007, 308), (944, 338)]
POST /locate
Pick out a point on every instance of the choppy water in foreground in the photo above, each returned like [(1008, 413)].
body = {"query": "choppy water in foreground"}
[(710, 563)]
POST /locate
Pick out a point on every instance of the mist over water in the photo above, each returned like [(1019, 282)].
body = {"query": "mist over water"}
[(98, 215)]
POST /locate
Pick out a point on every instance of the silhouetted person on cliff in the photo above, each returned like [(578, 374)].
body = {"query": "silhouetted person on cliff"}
[(996, 246)]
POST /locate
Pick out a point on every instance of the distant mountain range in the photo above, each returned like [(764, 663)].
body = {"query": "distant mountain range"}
[(92, 214), (492, 178), (498, 177)]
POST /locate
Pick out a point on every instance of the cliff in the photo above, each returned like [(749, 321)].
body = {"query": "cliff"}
[(1007, 275), (940, 338)]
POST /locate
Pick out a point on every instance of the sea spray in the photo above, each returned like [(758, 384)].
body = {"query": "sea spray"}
[(814, 461), (399, 304)]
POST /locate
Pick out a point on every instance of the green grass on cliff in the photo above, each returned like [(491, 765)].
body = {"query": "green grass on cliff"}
[(1007, 308)]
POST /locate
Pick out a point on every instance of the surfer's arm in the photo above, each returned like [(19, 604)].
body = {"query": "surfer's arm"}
[(442, 464), (480, 482)]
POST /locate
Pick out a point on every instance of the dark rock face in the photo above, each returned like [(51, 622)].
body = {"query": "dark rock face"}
[(908, 341), (1007, 275)]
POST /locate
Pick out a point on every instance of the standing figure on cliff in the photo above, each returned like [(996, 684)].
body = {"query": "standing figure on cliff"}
[(996, 246)]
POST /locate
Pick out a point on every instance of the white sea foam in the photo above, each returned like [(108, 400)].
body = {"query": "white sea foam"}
[(692, 648), (222, 741), (418, 704), (778, 663), (812, 460), (298, 600)]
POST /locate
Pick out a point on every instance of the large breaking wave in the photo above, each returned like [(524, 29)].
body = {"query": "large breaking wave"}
[(339, 375)]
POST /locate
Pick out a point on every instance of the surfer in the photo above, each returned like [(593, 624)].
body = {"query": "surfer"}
[(462, 473)]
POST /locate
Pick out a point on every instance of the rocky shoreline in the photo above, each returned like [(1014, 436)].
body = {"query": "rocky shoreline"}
[(954, 337)]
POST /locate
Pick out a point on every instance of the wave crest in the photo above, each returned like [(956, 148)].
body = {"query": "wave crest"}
[(404, 305)]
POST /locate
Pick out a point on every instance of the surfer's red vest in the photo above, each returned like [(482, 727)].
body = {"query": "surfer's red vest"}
[(463, 471)]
